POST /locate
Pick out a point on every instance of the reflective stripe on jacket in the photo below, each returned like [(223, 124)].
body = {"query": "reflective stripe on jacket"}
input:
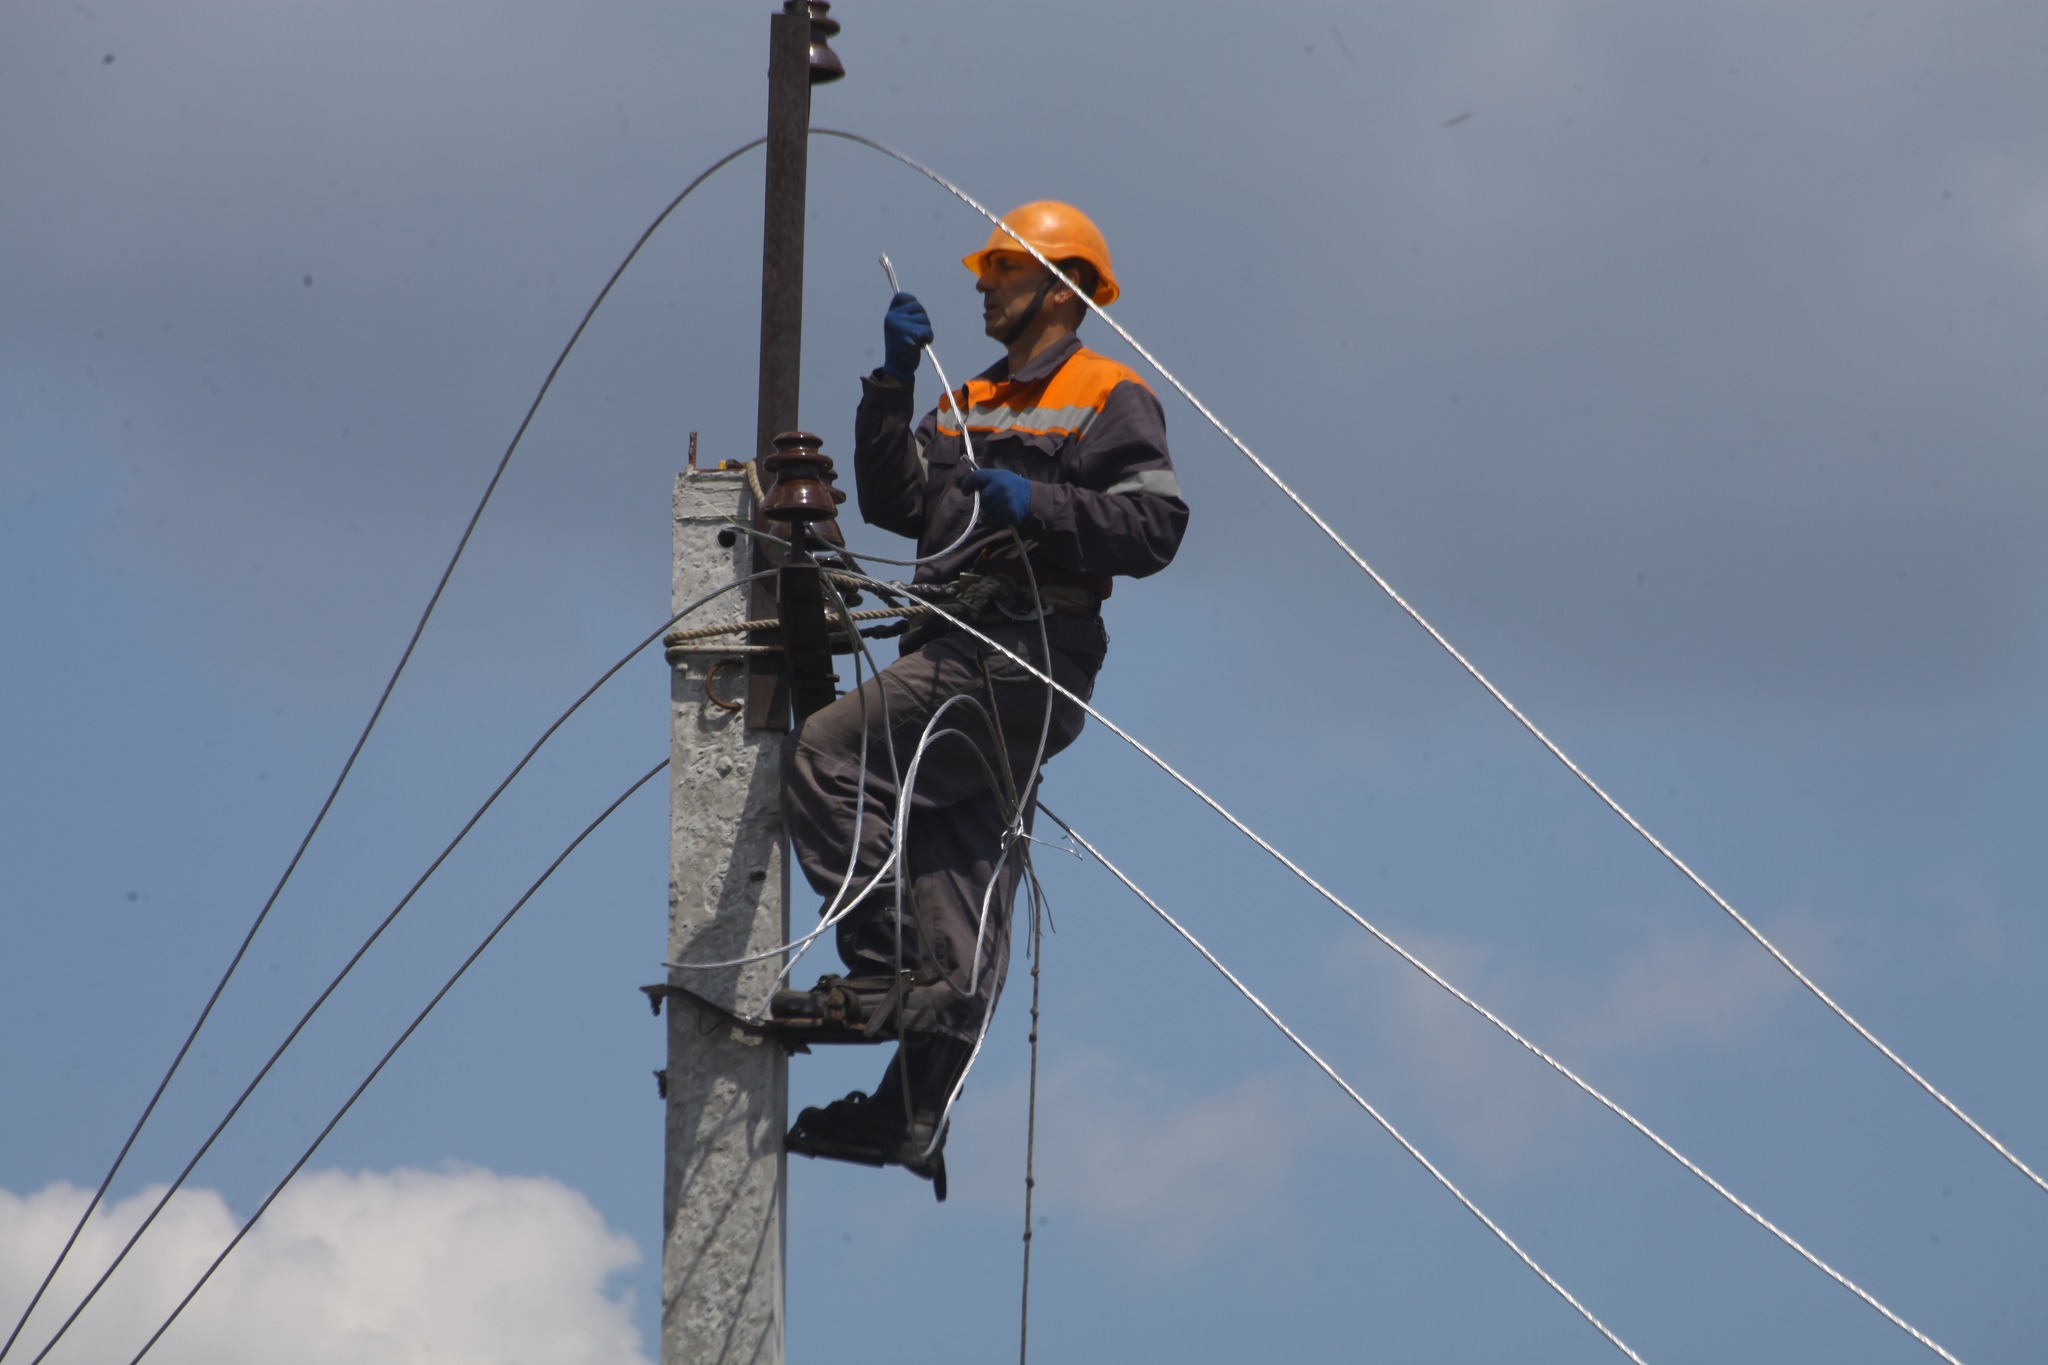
[(1085, 430)]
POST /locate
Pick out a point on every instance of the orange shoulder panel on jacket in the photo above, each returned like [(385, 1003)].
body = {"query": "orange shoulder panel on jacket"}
[(1063, 403)]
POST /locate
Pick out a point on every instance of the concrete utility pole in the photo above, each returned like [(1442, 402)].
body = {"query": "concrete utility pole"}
[(724, 1247), (728, 1091)]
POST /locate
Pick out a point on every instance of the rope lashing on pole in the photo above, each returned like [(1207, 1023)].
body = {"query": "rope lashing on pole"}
[(684, 637), (1469, 667), (1482, 1011)]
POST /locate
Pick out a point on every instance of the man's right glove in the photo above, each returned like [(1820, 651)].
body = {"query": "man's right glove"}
[(906, 330), (1005, 497)]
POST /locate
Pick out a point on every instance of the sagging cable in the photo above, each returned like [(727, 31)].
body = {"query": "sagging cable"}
[(1470, 668), (838, 907), (1409, 1147), (1483, 1012), (391, 1052), (335, 984), (355, 752)]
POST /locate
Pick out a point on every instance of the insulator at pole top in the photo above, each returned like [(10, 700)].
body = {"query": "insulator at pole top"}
[(801, 477), (825, 63)]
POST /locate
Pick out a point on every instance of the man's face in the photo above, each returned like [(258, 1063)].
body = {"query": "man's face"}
[(1008, 282)]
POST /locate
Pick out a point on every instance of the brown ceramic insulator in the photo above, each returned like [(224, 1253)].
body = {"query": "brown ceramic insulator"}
[(801, 475), (825, 63)]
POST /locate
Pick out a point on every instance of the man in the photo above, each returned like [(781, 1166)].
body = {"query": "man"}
[(1069, 459)]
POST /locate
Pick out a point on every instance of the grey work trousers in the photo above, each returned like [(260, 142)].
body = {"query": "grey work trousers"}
[(954, 840)]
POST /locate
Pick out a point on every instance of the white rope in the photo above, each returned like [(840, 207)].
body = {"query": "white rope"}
[(834, 911), (1470, 668), (966, 457), (981, 924), (1480, 1010), (1015, 837), (1357, 1098)]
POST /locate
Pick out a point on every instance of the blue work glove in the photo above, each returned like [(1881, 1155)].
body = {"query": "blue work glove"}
[(906, 330), (1005, 497)]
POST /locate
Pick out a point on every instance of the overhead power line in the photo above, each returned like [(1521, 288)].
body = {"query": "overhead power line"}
[(1053, 689), (1632, 1121), (1358, 1099), (348, 765), (164, 1198), (389, 1053), (1470, 668), (1482, 1011)]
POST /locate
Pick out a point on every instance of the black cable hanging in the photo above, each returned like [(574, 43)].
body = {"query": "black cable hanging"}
[(1031, 1112), (348, 765), (164, 1199), (1606, 798), (391, 1052)]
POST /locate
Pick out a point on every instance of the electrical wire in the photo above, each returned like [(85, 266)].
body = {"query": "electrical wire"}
[(1472, 669), (1357, 1098), (833, 911), (348, 765), (966, 458), (966, 453), (838, 907), (391, 1052), (1016, 839), (1023, 801), (973, 520), (1031, 1118), (1003, 784), (1018, 803), (891, 869), (165, 1198), (1500, 1024)]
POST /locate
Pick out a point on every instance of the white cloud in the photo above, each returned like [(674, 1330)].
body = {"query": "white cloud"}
[(459, 1267)]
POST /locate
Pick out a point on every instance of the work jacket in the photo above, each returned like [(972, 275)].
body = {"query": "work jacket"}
[(1088, 434)]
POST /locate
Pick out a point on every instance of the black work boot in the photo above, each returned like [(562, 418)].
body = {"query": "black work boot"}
[(899, 1124)]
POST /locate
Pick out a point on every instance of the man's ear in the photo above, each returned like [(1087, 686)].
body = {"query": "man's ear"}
[(1065, 296)]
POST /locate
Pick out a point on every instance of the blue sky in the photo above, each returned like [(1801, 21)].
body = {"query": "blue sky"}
[(1682, 363)]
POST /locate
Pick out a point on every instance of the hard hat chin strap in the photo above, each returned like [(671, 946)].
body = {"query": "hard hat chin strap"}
[(1011, 337)]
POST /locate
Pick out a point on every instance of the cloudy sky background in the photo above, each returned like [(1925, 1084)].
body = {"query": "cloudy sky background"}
[(1683, 363)]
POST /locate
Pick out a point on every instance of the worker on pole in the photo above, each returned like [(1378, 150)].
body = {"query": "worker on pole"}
[(1069, 464)]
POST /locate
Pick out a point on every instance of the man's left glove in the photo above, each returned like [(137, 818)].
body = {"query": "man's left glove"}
[(1005, 497)]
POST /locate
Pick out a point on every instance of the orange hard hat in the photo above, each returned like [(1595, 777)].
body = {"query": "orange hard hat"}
[(1060, 232)]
